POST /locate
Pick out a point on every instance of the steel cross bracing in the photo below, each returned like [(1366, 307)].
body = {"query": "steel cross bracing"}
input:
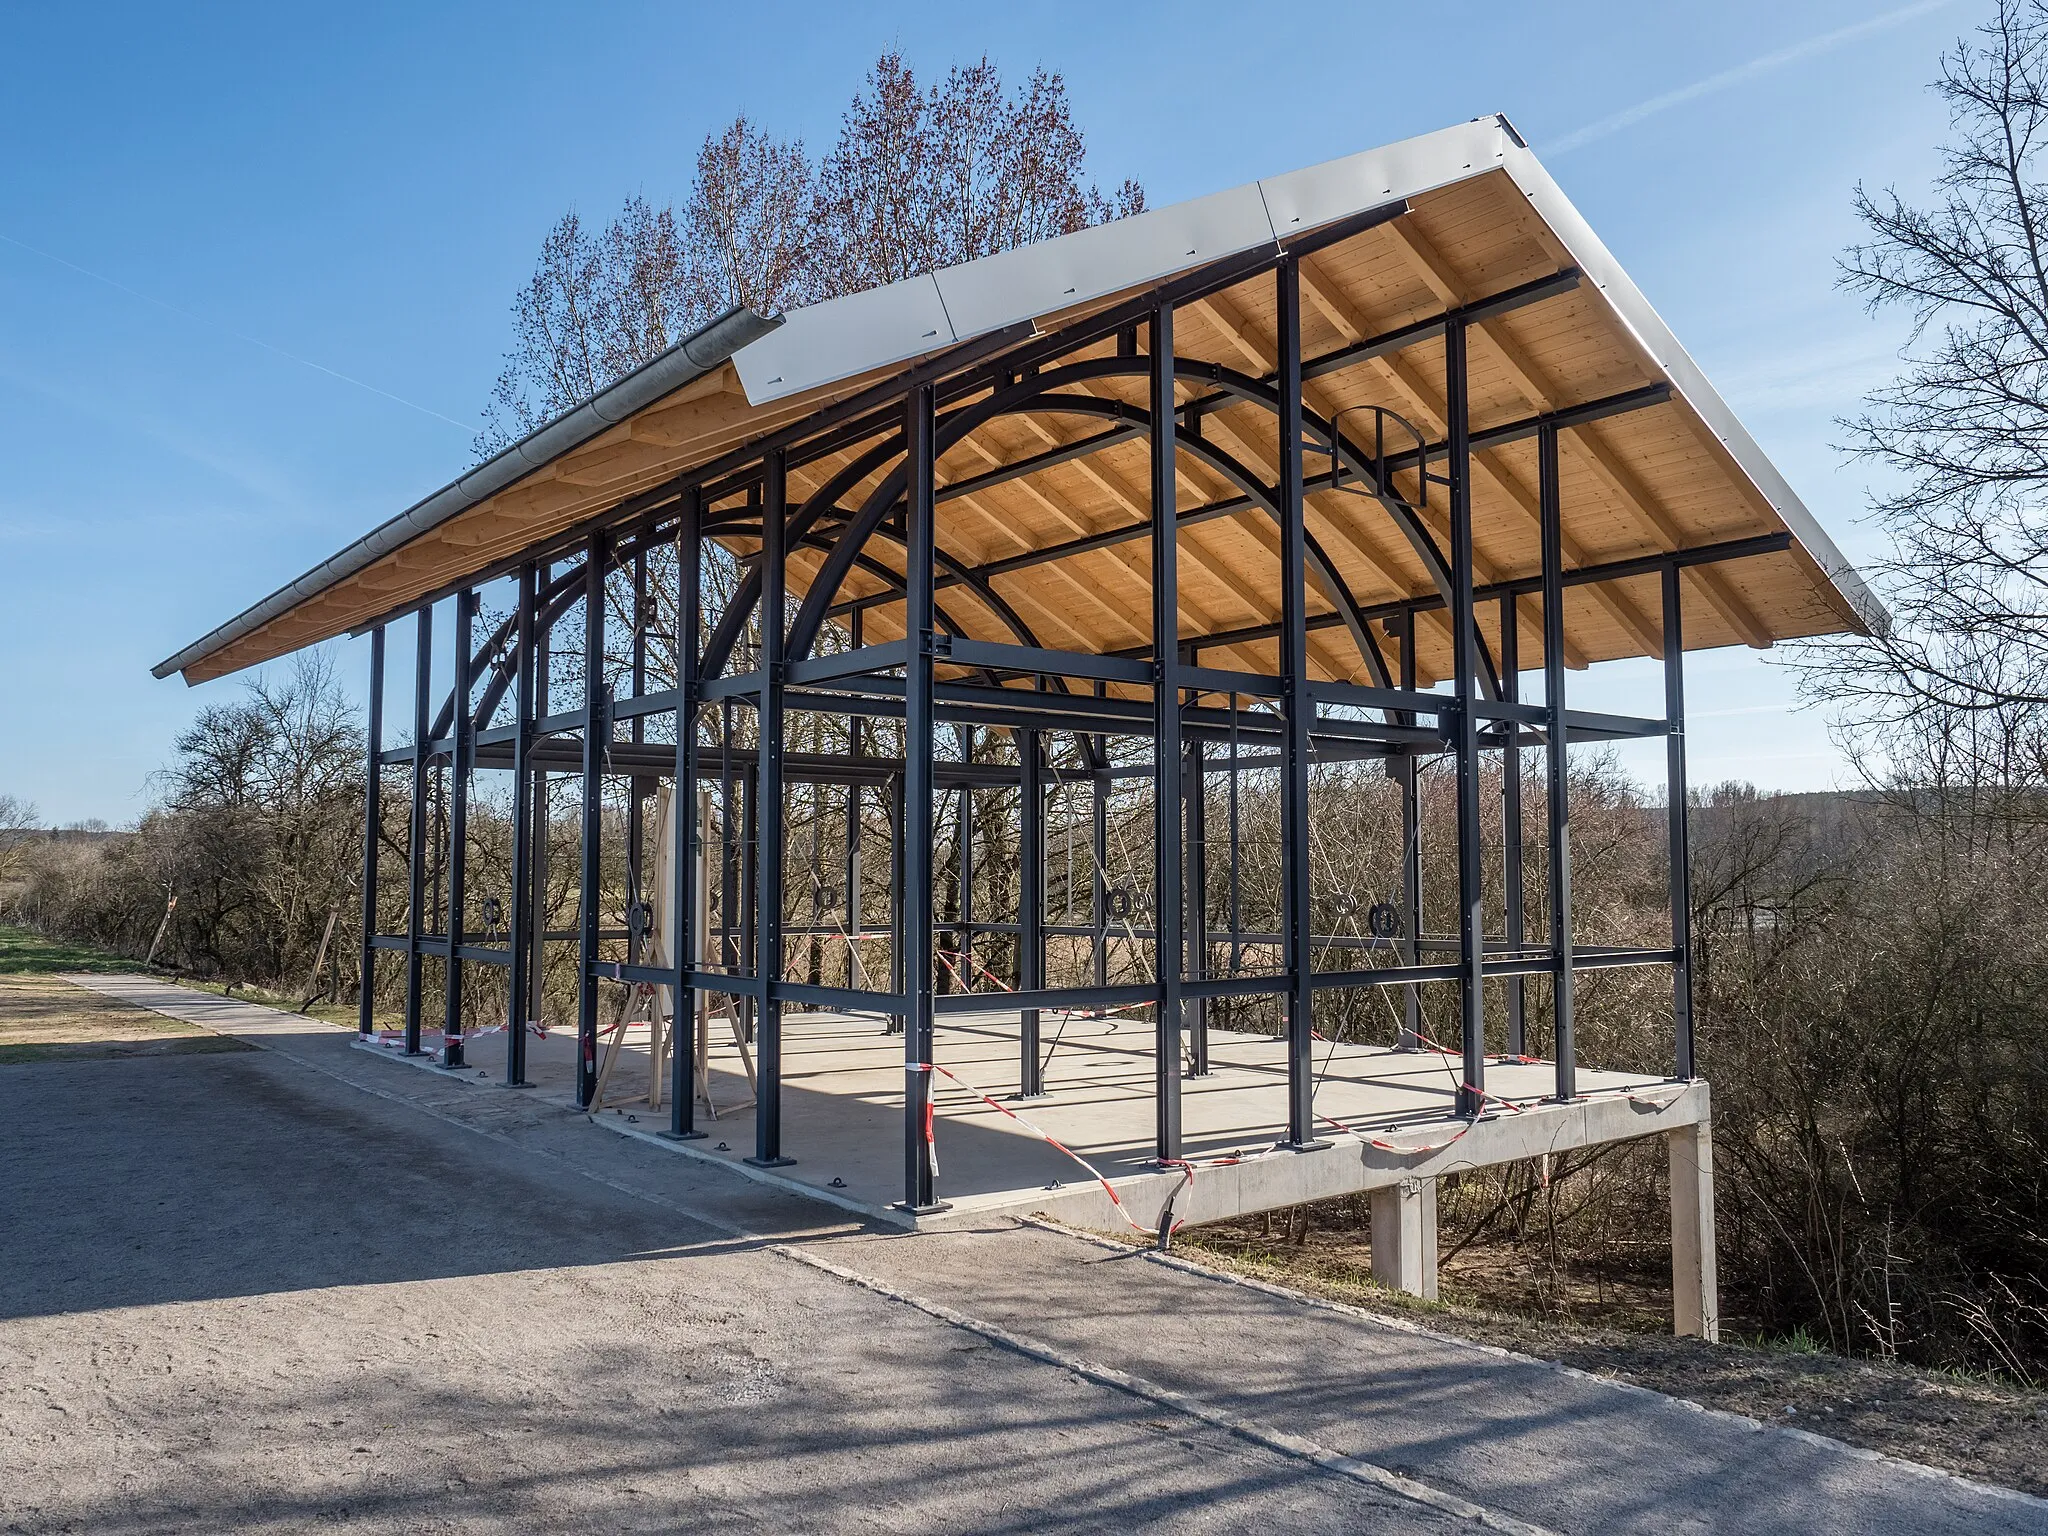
[(746, 665)]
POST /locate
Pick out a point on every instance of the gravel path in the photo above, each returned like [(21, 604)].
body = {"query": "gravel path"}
[(306, 1286)]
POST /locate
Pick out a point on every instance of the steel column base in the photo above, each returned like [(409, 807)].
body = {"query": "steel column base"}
[(1026, 1098), (760, 1162), (697, 1136), (1313, 1145), (917, 1210), (515, 1085)]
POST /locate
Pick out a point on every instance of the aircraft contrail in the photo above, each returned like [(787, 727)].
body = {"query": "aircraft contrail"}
[(254, 341), (1813, 47)]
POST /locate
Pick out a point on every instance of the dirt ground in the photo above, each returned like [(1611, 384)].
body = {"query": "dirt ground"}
[(1986, 1430), (45, 1019)]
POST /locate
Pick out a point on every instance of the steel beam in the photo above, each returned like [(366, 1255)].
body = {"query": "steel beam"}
[(1030, 908), (1563, 1048), (597, 733), (1465, 733), (1511, 818), (1299, 711), (915, 841), (520, 909), (1675, 796), (373, 826), (416, 833), (768, 822), (458, 830), (686, 851), (1168, 875)]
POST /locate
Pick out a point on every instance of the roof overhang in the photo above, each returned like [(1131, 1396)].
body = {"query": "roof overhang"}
[(749, 374)]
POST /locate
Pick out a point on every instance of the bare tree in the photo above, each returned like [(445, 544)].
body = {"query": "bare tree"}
[(924, 179), (19, 822), (596, 307), (918, 179), (747, 225), (1964, 426)]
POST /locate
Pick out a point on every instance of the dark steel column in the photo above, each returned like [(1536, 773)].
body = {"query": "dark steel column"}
[(463, 739), (768, 827), (915, 920), (1030, 907), (520, 910), (1169, 934), (543, 829), (1099, 834), (1411, 850), (1194, 787), (597, 734), (416, 845), (373, 819), (1300, 709), (687, 850), (963, 865), (856, 743), (1676, 793), (728, 858), (1465, 732), (1511, 819), (1556, 762)]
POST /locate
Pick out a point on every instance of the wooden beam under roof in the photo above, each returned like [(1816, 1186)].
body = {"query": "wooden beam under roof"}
[(1488, 466), (1445, 283)]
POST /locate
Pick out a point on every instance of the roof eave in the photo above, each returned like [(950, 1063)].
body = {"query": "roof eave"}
[(684, 363)]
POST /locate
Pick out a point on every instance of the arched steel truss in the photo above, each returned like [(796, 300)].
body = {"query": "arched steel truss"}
[(896, 433)]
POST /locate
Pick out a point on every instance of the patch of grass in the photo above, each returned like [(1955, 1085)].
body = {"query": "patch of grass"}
[(23, 953), (43, 1018), (111, 1050)]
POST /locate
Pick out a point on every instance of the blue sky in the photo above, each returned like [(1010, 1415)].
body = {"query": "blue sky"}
[(256, 262)]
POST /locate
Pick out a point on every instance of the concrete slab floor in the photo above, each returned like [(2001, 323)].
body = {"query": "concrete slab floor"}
[(842, 1117)]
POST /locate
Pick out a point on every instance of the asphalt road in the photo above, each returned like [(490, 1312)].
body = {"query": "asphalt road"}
[(306, 1287)]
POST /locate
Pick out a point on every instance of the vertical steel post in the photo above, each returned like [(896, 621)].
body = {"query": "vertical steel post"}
[(1511, 819), (768, 827), (915, 841), (543, 665), (1169, 940), (461, 747), (963, 864), (1295, 925), (1030, 907), (1676, 793), (1465, 731), (1411, 851), (1231, 815), (1556, 762), (1099, 834), (856, 745), (636, 730), (687, 848), (373, 827), (416, 845), (597, 735), (520, 909), (728, 863), (1194, 787)]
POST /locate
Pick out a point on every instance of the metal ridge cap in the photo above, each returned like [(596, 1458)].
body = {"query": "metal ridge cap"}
[(684, 363)]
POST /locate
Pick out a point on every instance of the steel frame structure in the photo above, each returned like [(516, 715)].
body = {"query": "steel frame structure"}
[(937, 676)]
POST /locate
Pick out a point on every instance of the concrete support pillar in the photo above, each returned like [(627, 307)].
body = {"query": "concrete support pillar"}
[(1695, 1309), (1404, 1237)]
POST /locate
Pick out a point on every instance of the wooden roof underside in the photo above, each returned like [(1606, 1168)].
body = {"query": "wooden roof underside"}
[(1654, 479)]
